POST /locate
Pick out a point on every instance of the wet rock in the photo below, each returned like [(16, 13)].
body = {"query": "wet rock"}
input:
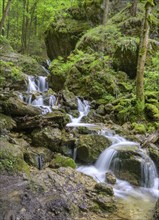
[(69, 99), (11, 156), (15, 107), (90, 146), (38, 157), (57, 194), (62, 161), (6, 123), (104, 188), (110, 178), (154, 154), (48, 137), (55, 119), (127, 165)]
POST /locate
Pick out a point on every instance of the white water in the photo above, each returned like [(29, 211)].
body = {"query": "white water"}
[(106, 163), (83, 109), (36, 89)]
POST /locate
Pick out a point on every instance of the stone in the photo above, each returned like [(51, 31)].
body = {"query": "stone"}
[(110, 178), (90, 146), (104, 188), (48, 137)]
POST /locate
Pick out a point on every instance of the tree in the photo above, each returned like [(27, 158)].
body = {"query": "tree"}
[(133, 9), (106, 11), (142, 57), (5, 14)]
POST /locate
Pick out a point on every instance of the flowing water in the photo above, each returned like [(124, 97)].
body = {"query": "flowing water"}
[(37, 88), (83, 109), (134, 203)]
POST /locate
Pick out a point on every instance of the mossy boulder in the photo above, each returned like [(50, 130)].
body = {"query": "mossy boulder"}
[(128, 162), (48, 137), (15, 107), (69, 25), (154, 154), (11, 157), (6, 123), (90, 146), (62, 161), (37, 157)]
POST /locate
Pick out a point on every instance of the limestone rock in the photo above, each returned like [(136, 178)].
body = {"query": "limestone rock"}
[(110, 178), (90, 146)]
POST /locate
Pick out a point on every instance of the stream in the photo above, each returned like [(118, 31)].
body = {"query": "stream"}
[(135, 203)]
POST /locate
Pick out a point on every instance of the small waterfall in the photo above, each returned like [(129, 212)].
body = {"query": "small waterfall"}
[(108, 161), (83, 109), (36, 94)]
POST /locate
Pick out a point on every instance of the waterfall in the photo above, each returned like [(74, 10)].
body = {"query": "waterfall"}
[(36, 94), (83, 109), (109, 161)]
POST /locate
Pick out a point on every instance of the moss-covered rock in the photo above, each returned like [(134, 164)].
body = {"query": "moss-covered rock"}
[(62, 161), (11, 157), (6, 123), (69, 25), (154, 154), (15, 107), (37, 157), (128, 163), (90, 146), (48, 137)]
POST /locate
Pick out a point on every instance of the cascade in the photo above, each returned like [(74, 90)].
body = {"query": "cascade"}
[(36, 94), (83, 109), (108, 161)]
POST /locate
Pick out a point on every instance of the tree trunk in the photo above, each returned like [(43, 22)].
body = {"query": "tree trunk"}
[(5, 14), (106, 11), (133, 9), (142, 58)]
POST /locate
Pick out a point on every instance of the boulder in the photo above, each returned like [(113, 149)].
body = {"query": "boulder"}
[(6, 123), (60, 193), (90, 146), (110, 178), (127, 164), (15, 107), (69, 25), (62, 161), (154, 153), (11, 157), (55, 119), (37, 157), (48, 137)]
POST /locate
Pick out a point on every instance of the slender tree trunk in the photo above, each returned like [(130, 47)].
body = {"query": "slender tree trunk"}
[(5, 14), (106, 11), (142, 58), (25, 25), (133, 9)]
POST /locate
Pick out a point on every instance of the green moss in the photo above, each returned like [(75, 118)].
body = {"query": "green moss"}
[(152, 111), (139, 128), (62, 161), (12, 164)]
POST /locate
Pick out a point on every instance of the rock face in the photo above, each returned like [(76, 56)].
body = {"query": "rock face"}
[(53, 194), (127, 165), (68, 27), (90, 146)]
